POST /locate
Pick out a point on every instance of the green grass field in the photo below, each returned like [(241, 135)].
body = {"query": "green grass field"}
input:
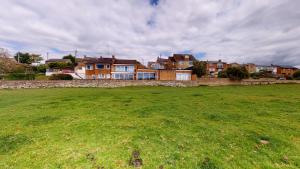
[(183, 128)]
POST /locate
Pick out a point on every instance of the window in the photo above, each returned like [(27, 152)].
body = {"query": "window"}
[(146, 76), (180, 62), (191, 63), (121, 76), (89, 67), (183, 76), (100, 66), (107, 76), (220, 65), (125, 68), (140, 76), (101, 76), (107, 66)]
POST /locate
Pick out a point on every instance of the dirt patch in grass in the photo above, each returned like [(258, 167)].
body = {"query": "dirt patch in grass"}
[(135, 159), (10, 143), (207, 163)]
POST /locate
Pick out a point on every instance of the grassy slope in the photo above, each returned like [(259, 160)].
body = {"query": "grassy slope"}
[(173, 127)]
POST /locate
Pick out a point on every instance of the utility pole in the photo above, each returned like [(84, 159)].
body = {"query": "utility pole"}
[(47, 55), (18, 57), (75, 53)]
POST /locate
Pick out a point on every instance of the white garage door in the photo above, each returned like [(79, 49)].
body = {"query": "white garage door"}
[(183, 76)]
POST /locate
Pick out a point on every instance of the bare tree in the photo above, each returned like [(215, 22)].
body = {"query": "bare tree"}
[(6, 63)]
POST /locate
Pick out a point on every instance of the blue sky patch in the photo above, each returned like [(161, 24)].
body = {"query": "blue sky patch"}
[(154, 2)]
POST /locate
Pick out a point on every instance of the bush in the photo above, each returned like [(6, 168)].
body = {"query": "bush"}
[(222, 74), (255, 75), (289, 78), (61, 77), (40, 69), (296, 75), (237, 73), (21, 76), (59, 65)]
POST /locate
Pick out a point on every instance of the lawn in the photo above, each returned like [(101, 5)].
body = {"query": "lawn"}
[(183, 128)]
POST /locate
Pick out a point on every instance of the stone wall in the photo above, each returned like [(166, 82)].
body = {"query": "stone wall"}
[(121, 83)]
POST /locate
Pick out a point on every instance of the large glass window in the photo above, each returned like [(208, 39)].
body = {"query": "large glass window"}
[(125, 68), (146, 76), (121, 76), (183, 76)]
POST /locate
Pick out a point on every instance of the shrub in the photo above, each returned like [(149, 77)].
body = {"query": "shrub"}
[(61, 77), (237, 73), (40, 68), (296, 75), (255, 75), (289, 78), (59, 65), (21, 76), (222, 74)]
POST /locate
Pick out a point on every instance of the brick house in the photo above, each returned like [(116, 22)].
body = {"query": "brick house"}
[(214, 67), (251, 67), (176, 62), (182, 61), (108, 68), (284, 70), (159, 64)]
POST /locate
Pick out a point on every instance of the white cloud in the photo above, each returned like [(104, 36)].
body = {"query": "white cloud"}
[(257, 31)]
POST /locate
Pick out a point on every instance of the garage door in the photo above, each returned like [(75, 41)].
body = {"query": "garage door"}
[(183, 76)]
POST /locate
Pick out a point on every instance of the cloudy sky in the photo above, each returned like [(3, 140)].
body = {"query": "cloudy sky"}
[(259, 31)]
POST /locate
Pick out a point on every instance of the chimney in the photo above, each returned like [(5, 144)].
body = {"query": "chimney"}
[(113, 58)]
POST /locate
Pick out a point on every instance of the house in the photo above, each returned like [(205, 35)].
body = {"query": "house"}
[(57, 69), (285, 70), (181, 61), (264, 68), (214, 67), (160, 63), (108, 68), (182, 75), (124, 69), (234, 65), (251, 67)]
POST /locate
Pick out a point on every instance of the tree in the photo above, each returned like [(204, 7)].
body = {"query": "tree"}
[(199, 68), (27, 58), (59, 65), (7, 64), (71, 57), (237, 73), (296, 75)]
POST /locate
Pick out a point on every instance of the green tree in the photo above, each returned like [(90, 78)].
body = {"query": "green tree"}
[(71, 57), (296, 75), (199, 68), (237, 73), (59, 65), (27, 58), (222, 74)]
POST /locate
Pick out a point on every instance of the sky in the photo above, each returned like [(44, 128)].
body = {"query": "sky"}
[(256, 31)]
